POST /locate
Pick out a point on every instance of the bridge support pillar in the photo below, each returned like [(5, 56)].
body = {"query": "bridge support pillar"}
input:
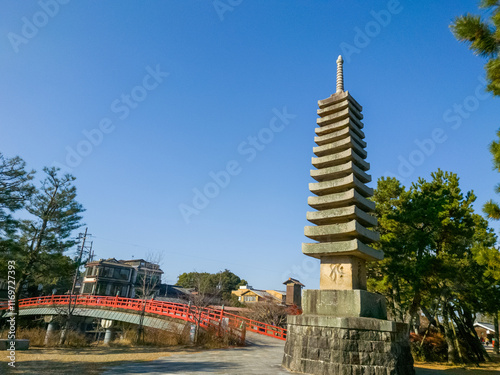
[(109, 335), (51, 327)]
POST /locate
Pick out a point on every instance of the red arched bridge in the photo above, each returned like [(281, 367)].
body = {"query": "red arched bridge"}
[(94, 306)]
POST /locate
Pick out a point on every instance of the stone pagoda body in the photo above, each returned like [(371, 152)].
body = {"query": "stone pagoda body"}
[(343, 328)]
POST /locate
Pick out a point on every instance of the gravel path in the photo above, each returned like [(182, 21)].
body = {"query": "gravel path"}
[(261, 356)]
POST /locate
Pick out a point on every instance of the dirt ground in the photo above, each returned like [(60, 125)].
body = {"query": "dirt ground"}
[(488, 368), (436, 369), (94, 361), (85, 361)]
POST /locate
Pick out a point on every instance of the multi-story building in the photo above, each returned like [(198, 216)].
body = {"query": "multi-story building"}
[(147, 277), (122, 278)]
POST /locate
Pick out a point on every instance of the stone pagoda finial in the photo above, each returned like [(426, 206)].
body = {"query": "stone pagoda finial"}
[(340, 75)]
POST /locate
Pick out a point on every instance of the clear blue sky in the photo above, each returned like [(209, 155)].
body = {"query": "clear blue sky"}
[(171, 91)]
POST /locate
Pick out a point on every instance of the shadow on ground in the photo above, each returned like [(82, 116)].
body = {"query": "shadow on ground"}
[(110, 350), (173, 367), (95, 368), (455, 371)]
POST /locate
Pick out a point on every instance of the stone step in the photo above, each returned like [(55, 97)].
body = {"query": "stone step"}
[(339, 171), (342, 215), (340, 125), (332, 137), (340, 106), (333, 99), (340, 157), (353, 247), (342, 199), (339, 185), (338, 97), (344, 114), (339, 134), (343, 144), (341, 232)]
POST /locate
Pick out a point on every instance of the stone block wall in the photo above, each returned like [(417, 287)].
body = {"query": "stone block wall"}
[(323, 350)]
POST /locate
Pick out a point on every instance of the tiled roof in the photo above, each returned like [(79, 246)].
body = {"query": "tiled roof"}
[(293, 281), (487, 326)]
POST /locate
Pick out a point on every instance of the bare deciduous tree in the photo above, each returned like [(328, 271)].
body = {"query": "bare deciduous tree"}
[(268, 312), (147, 283)]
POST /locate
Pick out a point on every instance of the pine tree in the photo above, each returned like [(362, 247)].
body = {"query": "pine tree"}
[(429, 235), (46, 235), (15, 190), (484, 39)]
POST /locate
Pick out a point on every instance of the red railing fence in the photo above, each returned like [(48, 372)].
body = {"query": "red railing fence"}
[(208, 317)]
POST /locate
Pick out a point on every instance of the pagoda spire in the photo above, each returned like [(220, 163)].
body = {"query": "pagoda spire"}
[(340, 75)]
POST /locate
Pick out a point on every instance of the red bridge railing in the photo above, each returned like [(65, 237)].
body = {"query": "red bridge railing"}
[(205, 317)]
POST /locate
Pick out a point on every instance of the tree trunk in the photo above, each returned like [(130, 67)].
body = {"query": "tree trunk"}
[(466, 326), (397, 301), (495, 321), (413, 310), (140, 327), (448, 334), (17, 295), (457, 343), (33, 254), (425, 336), (417, 323), (198, 322), (64, 333), (69, 316), (415, 305), (432, 320)]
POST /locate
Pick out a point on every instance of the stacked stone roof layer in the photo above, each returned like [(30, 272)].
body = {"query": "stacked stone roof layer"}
[(343, 224)]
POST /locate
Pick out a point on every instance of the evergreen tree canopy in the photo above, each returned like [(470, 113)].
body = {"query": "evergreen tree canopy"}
[(491, 208), (439, 258), (15, 190), (220, 283), (39, 243), (484, 39)]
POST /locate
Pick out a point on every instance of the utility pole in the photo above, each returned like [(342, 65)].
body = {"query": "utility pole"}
[(77, 271), (91, 252), (69, 313)]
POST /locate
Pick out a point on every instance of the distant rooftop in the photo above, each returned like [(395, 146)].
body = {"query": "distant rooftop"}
[(293, 281)]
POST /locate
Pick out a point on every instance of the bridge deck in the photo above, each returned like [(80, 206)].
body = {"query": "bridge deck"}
[(161, 322), (204, 316)]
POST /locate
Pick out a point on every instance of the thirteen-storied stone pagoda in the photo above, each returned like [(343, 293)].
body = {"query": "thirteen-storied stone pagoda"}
[(343, 328), (342, 206)]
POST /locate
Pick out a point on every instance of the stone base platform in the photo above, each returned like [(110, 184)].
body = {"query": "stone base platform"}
[(344, 303), (326, 345)]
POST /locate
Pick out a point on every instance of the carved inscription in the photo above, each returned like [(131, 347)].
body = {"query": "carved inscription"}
[(336, 272)]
